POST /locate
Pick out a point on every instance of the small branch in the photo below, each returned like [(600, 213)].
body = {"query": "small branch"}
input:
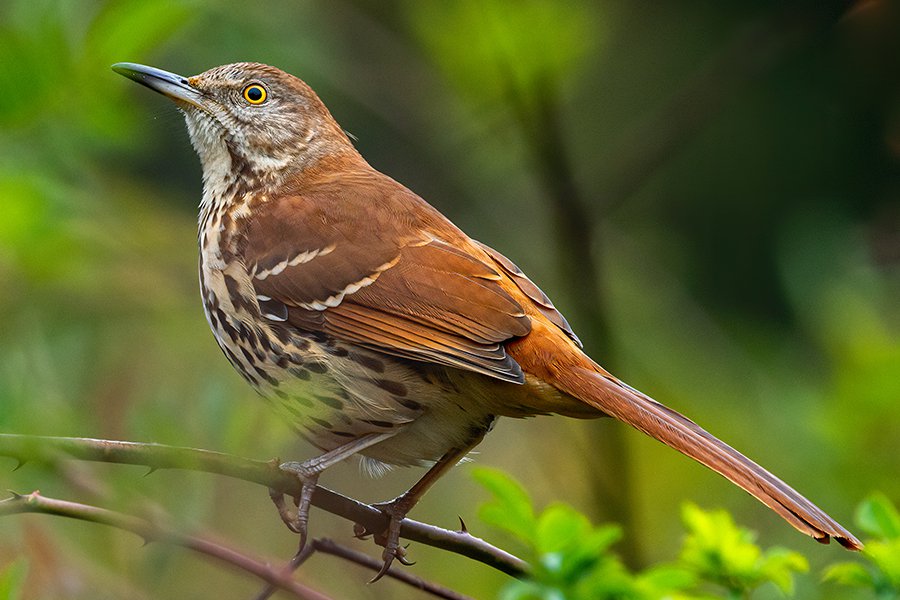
[(152, 532), (298, 559), (25, 448), (327, 546)]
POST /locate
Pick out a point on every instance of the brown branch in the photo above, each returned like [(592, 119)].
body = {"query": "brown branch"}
[(27, 448), (328, 546), (298, 559), (153, 532)]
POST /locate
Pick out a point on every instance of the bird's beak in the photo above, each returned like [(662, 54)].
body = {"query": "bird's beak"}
[(174, 86)]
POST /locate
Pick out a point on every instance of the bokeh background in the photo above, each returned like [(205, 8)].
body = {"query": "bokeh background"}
[(708, 190)]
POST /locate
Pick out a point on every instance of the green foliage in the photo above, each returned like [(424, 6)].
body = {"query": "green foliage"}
[(12, 580), (515, 48), (573, 560), (57, 47), (720, 551), (879, 518)]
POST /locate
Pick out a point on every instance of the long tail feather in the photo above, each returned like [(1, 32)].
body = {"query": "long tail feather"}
[(619, 400)]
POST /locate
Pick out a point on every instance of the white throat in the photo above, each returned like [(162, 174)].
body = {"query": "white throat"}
[(207, 137)]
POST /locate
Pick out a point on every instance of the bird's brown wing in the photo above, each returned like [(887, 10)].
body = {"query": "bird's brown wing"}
[(538, 299), (317, 264)]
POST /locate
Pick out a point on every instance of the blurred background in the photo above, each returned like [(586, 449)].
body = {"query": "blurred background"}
[(710, 191)]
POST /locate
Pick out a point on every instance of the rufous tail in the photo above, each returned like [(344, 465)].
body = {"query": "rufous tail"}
[(606, 393)]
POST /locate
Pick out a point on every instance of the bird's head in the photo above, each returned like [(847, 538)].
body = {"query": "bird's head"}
[(248, 119)]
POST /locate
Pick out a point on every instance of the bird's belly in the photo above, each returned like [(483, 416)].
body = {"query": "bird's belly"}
[(332, 393)]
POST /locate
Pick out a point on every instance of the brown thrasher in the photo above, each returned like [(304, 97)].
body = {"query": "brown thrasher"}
[(374, 324)]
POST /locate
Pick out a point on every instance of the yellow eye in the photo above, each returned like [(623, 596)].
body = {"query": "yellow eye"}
[(255, 93)]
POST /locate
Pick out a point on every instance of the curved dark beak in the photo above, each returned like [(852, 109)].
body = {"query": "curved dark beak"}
[(174, 86)]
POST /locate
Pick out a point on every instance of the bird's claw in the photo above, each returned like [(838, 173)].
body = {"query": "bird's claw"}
[(288, 516), (396, 511), (297, 521), (388, 557)]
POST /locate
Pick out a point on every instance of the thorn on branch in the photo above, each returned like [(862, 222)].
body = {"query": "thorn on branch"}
[(462, 525), (360, 532)]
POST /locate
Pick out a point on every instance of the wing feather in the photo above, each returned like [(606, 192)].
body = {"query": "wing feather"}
[(392, 285)]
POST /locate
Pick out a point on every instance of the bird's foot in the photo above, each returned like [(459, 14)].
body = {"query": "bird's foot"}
[(395, 510), (297, 520)]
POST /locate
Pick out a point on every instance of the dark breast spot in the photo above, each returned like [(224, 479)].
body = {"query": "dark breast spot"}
[(286, 336), (247, 355), (266, 342), (321, 422), (294, 410), (317, 367), (231, 356), (299, 373), (247, 334), (226, 325), (264, 375), (303, 400), (394, 388), (339, 351), (329, 401), (238, 299), (370, 363), (247, 375), (410, 404)]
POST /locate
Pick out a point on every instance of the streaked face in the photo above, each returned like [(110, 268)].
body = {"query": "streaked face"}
[(243, 116)]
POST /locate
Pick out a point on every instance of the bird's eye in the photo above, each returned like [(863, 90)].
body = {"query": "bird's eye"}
[(255, 93)]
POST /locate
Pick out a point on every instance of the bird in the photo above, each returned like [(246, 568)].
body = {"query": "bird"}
[(372, 323)]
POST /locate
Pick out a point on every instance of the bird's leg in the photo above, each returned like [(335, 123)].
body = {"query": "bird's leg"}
[(397, 509), (287, 517), (307, 472)]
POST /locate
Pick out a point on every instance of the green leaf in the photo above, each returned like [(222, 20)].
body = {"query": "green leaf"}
[(721, 552), (663, 579), (558, 527), (531, 590), (12, 580), (513, 48), (886, 557), (568, 545), (878, 517), (510, 509), (849, 573), (779, 565)]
